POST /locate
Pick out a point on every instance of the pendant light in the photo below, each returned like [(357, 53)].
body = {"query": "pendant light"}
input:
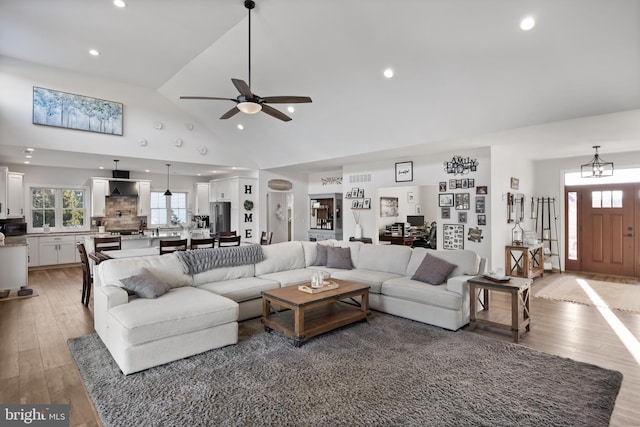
[(168, 192), (115, 191), (596, 168)]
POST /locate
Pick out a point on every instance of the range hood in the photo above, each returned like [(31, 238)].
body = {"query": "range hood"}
[(123, 189)]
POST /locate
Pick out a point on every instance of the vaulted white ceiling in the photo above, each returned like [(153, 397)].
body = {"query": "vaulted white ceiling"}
[(465, 73)]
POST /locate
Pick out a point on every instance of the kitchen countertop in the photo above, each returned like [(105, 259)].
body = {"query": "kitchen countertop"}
[(10, 241)]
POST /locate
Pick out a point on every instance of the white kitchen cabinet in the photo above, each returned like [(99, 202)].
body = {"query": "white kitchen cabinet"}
[(33, 245), (221, 190), (4, 171), (99, 191), (13, 264), (15, 195), (144, 198), (201, 198), (57, 250)]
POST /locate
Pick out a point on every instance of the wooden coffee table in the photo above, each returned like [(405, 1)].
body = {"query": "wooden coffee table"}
[(300, 315), (517, 320)]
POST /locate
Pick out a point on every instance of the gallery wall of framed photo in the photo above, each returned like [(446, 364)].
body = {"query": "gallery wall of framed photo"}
[(463, 203)]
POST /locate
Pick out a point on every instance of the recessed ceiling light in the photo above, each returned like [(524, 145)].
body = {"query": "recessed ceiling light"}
[(291, 109), (93, 52), (240, 127), (101, 167), (198, 174), (119, 3), (26, 162), (29, 150), (388, 73), (527, 23), (29, 156), (214, 171), (147, 170)]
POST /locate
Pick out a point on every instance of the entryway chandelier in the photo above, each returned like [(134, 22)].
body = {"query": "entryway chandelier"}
[(168, 192), (596, 168)]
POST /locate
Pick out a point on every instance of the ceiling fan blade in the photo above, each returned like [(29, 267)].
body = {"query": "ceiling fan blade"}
[(243, 88), (287, 99), (208, 97), (230, 113), (275, 113)]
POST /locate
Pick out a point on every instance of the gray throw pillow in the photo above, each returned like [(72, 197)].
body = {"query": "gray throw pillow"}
[(145, 285), (339, 258), (321, 257), (433, 270)]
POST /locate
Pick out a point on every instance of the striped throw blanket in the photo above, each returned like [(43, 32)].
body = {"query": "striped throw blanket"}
[(199, 260)]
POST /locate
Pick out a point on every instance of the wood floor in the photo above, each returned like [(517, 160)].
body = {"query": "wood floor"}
[(36, 365)]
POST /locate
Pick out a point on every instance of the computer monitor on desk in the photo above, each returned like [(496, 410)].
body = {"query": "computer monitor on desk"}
[(415, 220)]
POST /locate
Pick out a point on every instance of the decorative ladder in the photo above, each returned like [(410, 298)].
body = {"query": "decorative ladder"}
[(548, 236)]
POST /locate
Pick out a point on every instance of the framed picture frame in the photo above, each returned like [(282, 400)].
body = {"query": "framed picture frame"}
[(515, 183), (361, 193), (418, 210), (70, 111), (481, 189), (354, 192), (452, 184), (366, 204), (462, 217), (453, 236), (472, 182), (354, 204), (404, 171), (465, 183), (445, 213), (482, 220), (445, 199), (462, 201), (480, 204), (442, 187), (388, 206), (411, 198)]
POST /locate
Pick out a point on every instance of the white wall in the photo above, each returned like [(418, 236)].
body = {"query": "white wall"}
[(142, 108)]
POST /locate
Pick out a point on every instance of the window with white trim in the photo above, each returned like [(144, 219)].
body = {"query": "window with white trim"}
[(60, 208), (168, 211)]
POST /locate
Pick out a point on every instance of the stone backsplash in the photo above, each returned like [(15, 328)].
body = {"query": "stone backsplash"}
[(121, 214)]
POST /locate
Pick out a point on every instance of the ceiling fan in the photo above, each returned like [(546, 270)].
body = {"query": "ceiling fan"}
[(248, 102)]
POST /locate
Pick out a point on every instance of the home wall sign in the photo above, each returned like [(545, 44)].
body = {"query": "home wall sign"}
[(461, 165), (67, 110)]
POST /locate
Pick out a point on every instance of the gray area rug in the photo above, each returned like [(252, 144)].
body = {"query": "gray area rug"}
[(389, 371)]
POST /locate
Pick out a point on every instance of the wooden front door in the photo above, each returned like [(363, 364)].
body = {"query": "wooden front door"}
[(606, 222)]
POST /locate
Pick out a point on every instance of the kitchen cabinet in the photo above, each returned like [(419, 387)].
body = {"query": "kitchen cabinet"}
[(223, 190), (57, 250), (15, 195), (99, 191), (201, 198), (13, 264), (144, 198), (33, 246), (11, 194)]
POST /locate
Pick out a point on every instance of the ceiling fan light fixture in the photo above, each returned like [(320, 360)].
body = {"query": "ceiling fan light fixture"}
[(249, 107)]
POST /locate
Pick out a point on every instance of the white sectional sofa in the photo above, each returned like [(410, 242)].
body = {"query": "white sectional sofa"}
[(201, 311)]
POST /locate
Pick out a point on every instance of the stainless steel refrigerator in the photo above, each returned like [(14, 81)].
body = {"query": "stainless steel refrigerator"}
[(220, 218)]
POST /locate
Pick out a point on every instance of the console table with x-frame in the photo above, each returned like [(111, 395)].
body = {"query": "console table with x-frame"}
[(518, 320)]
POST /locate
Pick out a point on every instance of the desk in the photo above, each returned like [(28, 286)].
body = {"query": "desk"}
[(401, 240), (518, 321)]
